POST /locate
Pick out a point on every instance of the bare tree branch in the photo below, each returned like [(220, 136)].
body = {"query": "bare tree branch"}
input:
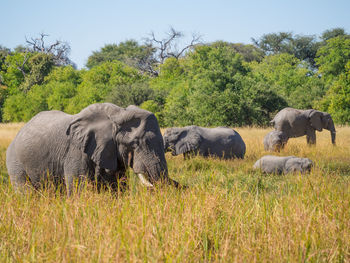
[(167, 47), (59, 50)]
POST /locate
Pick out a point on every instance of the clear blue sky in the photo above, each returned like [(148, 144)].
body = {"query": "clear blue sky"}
[(88, 25)]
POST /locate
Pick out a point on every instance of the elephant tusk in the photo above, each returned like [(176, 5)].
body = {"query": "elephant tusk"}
[(144, 181)]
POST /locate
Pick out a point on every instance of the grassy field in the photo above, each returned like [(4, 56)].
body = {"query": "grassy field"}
[(229, 213)]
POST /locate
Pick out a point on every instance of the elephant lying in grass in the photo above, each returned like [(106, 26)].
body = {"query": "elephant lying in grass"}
[(97, 144), (296, 123), (279, 165), (275, 141), (220, 142)]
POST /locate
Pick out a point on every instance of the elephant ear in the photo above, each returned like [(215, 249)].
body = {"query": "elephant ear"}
[(315, 118), (188, 141), (94, 134)]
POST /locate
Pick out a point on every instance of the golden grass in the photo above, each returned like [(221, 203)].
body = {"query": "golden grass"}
[(229, 213)]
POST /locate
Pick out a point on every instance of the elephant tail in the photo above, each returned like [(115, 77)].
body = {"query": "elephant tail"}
[(272, 123)]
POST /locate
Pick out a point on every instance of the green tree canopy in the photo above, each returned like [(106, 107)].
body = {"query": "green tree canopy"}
[(129, 52), (290, 78), (331, 33), (211, 90), (98, 82), (302, 47), (333, 57), (337, 99)]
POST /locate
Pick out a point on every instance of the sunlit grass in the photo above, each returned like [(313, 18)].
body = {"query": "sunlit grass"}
[(229, 212)]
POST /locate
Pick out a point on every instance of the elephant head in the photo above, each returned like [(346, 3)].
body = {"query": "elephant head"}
[(181, 140), (301, 165), (328, 124), (115, 138), (322, 120)]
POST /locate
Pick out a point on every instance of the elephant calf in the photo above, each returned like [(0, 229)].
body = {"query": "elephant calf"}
[(279, 165), (275, 141), (220, 142)]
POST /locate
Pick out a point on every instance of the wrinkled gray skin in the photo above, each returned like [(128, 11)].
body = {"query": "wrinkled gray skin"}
[(98, 143), (275, 141), (279, 165), (296, 123), (220, 142)]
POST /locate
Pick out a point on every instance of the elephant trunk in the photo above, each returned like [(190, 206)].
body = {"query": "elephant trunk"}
[(331, 128), (333, 137), (151, 164), (157, 169)]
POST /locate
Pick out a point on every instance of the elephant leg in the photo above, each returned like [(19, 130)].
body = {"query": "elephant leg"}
[(21, 182), (311, 137), (18, 176), (74, 182)]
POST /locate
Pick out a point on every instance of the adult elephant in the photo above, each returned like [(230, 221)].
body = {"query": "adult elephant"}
[(296, 123), (220, 142), (96, 144)]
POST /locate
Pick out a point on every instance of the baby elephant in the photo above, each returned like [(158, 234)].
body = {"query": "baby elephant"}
[(275, 141), (220, 142), (279, 165)]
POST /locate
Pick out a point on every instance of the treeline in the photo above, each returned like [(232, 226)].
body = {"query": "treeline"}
[(206, 84)]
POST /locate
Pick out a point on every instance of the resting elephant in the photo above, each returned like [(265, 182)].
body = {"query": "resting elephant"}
[(279, 165), (220, 142), (275, 141), (97, 143), (296, 123)]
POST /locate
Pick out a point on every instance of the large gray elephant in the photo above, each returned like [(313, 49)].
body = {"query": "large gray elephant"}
[(98, 143), (296, 123), (279, 165), (220, 142)]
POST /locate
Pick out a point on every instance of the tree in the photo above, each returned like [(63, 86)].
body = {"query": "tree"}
[(168, 47), (331, 33), (302, 47), (128, 52), (275, 43), (15, 70), (209, 91), (59, 50), (14, 108), (337, 99), (4, 52), (176, 109), (98, 82), (130, 94), (333, 57), (54, 93), (40, 65), (146, 57), (28, 66), (62, 83), (290, 78), (249, 52)]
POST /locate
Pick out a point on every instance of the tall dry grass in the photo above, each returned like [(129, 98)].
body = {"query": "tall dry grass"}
[(229, 213)]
